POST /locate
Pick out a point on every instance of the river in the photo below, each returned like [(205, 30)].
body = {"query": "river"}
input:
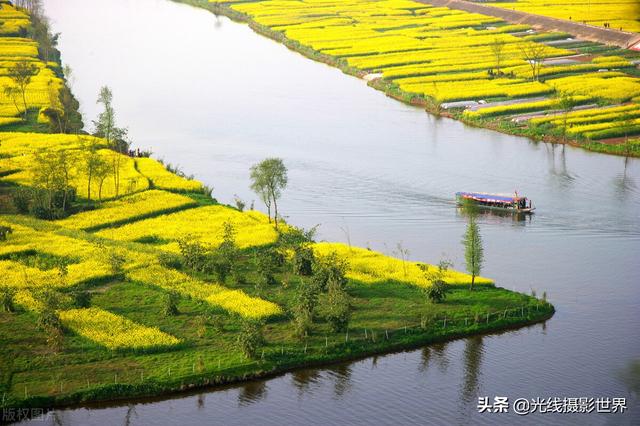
[(214, 97)]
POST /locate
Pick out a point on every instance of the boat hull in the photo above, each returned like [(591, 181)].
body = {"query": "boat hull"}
[(468, 202)]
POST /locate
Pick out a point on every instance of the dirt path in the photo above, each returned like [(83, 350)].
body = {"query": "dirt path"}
[(585, 32)]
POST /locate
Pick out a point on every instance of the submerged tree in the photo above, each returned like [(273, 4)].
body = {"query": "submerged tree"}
[(473, 252), (268, 179)]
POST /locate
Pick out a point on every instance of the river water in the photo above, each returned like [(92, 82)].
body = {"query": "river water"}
[(215, 98)]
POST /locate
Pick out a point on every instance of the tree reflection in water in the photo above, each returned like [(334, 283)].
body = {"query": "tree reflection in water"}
[(252, 392), (303, 379), (341, 375), (472, 355)]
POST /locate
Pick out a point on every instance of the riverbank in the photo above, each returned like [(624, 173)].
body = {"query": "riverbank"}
[(552, 132)]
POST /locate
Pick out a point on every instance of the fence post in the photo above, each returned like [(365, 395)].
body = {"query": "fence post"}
[(386, 333), (522, 308), (487, 318), (305, 348), (465, 321), (444, 323), (365, 334), (346, 336), (88, 385), (326, 342)]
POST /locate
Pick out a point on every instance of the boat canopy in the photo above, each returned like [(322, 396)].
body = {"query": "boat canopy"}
[(489, 198)]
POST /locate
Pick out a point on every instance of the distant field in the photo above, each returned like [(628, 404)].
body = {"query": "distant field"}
[(620, 14), (437, 56)]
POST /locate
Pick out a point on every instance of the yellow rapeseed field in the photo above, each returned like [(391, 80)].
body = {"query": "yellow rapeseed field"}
[(122, 209), (113, 331), (372, 267), (204, 224), (620, 14), (164, 179), (234, 301)]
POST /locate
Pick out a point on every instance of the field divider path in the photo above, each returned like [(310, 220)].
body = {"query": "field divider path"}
[(587, 32)]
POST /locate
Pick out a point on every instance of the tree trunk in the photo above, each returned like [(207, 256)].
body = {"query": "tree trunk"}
[(473, 280), (24, 101), (275, 212), (89, 186)]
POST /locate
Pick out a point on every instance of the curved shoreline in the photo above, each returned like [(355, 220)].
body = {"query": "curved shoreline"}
[(390, 90), (154, 390)]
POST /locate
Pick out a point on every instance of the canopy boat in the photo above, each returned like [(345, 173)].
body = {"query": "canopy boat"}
[(505, 202)]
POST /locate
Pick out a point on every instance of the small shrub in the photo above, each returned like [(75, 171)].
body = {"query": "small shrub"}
[(82, 299), (22, 200), (194, 254), (170, 304), (7, 295), (303, 260), (250, 338), (338, 307), (329, 269), (116, 262), (4, 231)]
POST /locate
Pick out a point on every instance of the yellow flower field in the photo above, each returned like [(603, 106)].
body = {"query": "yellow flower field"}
[(445, 55), (132, 206), (623, 14), (113, 331), (164, 179), (43, 90), (235, 301), (204, 224), (372, 267)]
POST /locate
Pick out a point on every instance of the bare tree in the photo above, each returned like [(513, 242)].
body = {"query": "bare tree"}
[(534, 54), (105, 127), (497, 48), (21, 74)]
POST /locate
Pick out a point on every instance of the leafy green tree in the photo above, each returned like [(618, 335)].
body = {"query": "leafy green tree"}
[(251, 337), (267, 262), (305, 303), (474, 252), (338, 308), (268, 180)]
